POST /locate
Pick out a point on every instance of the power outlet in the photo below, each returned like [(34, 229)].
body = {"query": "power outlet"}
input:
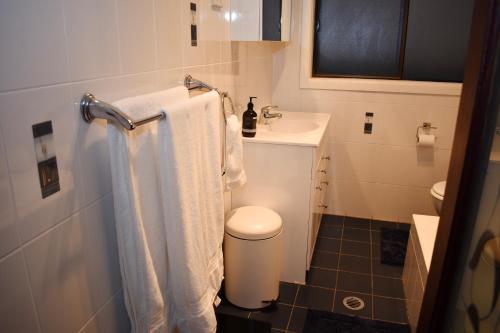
[(194, 27), (368, 128), (46, 158)]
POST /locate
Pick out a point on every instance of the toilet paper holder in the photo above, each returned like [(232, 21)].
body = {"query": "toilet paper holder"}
[(425, 126)]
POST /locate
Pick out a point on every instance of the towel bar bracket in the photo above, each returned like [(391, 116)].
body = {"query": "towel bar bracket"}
[(92, 108)]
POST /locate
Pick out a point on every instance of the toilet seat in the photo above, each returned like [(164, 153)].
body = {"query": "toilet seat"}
[(438, 190), (253, 223)]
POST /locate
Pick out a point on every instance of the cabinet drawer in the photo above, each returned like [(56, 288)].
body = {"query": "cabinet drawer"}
[(321, 161)]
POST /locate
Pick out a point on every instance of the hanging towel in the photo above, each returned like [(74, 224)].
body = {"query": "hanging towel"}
[(139, 215), (235, 174), (190, 161)]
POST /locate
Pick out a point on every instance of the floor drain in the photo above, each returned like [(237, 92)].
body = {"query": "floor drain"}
[(353, 303)]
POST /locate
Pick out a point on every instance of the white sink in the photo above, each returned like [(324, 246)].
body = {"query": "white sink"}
[(293, 128), (290, 126)]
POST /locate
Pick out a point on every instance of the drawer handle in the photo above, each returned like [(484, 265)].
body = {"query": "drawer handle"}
[(323, 206), (323, 171), (326, 183), (325, 158), (319, 188)]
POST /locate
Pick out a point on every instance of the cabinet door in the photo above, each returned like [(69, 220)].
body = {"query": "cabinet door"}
[(271, 20), (245, 20), (257, 20)]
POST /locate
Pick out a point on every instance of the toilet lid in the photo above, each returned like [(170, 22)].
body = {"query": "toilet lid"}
[(439, 188), (253, 223)]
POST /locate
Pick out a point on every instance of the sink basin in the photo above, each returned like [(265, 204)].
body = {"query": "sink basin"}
[(294, 128), (290, 126)]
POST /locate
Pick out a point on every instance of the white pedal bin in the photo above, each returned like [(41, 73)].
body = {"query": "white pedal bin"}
[(252, 256)]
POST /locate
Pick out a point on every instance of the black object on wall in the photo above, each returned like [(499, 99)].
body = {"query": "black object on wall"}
[(359, 38), (437, 40), (271, 20)]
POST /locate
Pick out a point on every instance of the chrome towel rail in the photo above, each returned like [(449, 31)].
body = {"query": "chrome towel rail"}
[(91, 108)]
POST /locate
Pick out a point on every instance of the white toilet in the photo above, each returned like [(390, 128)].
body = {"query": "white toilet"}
[(437, 192)]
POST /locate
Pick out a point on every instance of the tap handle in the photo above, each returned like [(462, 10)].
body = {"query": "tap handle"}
[(269, 107)]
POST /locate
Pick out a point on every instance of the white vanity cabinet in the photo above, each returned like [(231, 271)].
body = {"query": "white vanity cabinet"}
[(319, 188), (260, 20), (289, 176)]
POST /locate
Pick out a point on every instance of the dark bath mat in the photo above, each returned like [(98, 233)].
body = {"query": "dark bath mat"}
[(393, 243), (327, 322), (229, 324)]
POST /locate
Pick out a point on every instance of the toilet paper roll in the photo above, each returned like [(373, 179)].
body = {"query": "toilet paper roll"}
[(426, 140)]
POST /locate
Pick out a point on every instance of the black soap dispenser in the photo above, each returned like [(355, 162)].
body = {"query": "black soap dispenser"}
[(249, 128)]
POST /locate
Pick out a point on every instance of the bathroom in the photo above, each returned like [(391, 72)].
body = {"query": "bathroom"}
[(340, 160)]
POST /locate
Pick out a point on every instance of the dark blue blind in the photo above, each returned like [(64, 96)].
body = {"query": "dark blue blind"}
[(361, 38)]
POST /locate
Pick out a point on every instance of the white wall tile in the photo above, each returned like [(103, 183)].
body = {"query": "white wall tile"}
[(16, 308), (111, 318), (410, 166), (136, 19), (74, 269), (9, 239), (92, 37), (20, 111), (170, 78), (118, 49), (168, 24), (414, 200), (212, 32), (192, 55), (353, 161), (33, 51)]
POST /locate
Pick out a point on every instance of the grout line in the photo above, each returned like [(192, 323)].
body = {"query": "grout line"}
[(67, 219), (30, 288), (118, 35), (347, 239), (100, 309), (338, 265), (370, 294), (371, 271), (293, 307), (352, 272)]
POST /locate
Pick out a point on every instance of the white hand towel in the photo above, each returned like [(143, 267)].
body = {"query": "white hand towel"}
[(194, 208), (139, 215), (235, 173)]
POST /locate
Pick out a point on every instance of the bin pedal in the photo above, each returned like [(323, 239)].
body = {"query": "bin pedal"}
[(271, 305)]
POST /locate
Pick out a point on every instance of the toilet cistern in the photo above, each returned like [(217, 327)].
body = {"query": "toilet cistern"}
[(265, 114)]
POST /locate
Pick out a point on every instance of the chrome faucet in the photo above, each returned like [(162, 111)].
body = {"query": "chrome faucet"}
[(265, 114)]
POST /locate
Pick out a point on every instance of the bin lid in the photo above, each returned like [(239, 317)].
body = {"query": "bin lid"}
[(253, 223)]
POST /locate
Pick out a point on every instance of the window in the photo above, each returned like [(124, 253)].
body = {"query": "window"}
[(359, 38), (421, 40)]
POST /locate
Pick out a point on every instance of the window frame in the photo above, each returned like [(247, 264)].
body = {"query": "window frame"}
[(309, 81)]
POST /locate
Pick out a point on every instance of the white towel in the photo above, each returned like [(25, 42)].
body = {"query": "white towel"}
[(235, 174), (139, 213), (194, 208)]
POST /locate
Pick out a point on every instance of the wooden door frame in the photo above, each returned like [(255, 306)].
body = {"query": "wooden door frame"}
[(467, 158)]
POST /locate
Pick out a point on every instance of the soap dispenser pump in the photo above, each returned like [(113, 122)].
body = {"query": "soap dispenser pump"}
[(249, 128)]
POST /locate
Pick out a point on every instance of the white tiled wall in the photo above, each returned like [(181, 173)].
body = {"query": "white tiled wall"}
[(58, 259), (382, 175)]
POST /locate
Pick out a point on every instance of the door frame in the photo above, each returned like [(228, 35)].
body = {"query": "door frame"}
[(466, 169)]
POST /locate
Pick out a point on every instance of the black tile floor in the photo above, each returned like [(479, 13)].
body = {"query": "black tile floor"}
[(346, 262)]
